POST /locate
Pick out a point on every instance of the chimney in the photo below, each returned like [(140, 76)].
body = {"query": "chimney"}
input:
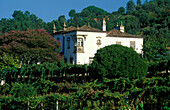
[(122, 28), (77, 26), (104, 25), (54, 28), (117, 25), (89, 24)]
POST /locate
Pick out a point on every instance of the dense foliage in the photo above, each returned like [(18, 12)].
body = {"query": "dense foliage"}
[(45, 86), (118, 61), (31, 46), (148, 19), (8, 61), (147, 93), (65, 86)]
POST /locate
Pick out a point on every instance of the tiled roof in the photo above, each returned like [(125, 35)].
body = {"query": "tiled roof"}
[(112, 33), (87, 28), (71, 28), (83, 28), (117, 33)]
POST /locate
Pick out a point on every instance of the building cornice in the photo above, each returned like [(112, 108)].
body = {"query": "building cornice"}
[(125, 36)]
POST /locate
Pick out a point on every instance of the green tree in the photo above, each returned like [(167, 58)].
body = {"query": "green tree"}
[(4, 25), (8, 66), (139, 2), (146, 1), (151, 48), (96, 10), (117, 61), (138, 6), (61, 20), (130, 7), (85, 13), (7, 61), (72, 13), (29, 21), (115, 12), (31, 46), (121, 10), (160, 3), (132, 24), (144, 19), (23, 91), (155, 53)]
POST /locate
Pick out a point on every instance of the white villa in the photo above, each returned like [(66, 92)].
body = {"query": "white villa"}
[(79, 45)]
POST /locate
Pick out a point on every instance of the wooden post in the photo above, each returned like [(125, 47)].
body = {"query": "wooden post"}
[(28, 105), (56, 104), (92, 104), (75, 78), (78, 103), (42, 106), (100, 103)]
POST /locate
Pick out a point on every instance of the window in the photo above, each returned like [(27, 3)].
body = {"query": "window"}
[(118, 42), (68, 42), (90, 60), (132, 44), (58, 38), (80, 42)]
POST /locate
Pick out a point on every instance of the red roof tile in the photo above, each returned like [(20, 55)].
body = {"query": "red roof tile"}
[(117, 33)]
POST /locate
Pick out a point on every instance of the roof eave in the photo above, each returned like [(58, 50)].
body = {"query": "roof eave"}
[(63, 32), (124, 36)]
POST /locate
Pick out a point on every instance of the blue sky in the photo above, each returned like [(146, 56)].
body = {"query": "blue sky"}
[(49, 10)]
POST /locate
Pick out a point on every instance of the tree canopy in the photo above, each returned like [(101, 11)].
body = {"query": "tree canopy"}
[(31, 46), (121, 10), (130, 7), (115, 61), (72, 13), (148, 19), (139, 2)]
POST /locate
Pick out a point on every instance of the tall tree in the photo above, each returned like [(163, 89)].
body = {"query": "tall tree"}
[(132, 24), (85, 13), (31, 46), (139, 2), (29, 21), (72, 13), (97, 11), (121, 10), (130, 7), (144, 19), (61, 20), (146, 1), (160, 3)]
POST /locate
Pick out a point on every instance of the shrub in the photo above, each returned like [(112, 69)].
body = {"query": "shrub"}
[(45, 86), (23, 90), (117, 61), (8, 66), (7, 61)]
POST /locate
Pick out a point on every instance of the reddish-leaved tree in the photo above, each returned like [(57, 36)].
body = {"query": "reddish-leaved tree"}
[(31, 46)]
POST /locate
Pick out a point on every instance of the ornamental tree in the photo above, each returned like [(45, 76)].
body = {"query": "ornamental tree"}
[(116, 61), (31, 46)]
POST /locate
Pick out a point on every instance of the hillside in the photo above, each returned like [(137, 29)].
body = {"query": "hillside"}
[(149, 19)]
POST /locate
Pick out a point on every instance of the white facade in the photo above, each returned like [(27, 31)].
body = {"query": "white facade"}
[(80, 45)]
